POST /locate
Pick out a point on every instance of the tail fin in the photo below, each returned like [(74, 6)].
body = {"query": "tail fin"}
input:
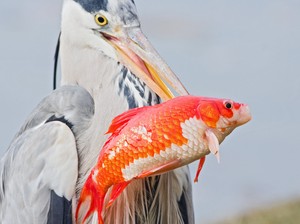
[(90, 193)]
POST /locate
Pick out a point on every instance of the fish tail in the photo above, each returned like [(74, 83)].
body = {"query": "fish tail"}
[(94, 198)]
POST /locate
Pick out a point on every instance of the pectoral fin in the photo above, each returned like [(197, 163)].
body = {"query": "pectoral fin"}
[(213, 143)]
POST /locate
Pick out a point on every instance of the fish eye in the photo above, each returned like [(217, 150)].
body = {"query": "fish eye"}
[(101, 20), (228, 104)]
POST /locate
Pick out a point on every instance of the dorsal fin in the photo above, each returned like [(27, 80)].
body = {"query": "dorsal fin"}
[(121, 120)]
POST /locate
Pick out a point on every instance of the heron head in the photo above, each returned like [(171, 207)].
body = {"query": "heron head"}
[(112, 27)]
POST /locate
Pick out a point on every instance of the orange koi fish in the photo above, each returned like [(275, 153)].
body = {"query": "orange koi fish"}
[(155, 139)]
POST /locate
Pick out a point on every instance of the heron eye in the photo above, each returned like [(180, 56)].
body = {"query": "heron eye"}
[(228, 104), (101, 20)]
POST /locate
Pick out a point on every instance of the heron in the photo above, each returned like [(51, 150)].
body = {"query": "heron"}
[(103, 49)]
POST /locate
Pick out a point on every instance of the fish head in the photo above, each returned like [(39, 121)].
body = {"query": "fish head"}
[(223, 115)]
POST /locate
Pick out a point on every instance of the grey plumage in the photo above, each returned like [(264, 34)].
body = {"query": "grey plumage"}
[(43, 157)]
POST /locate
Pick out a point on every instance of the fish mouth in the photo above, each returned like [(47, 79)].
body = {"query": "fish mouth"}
[(137, 54), (245, 114)]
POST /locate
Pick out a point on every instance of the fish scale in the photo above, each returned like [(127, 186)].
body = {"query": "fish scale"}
[(155, 139)]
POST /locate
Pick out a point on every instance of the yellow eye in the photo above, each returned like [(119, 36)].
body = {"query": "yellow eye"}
[(101, 20)]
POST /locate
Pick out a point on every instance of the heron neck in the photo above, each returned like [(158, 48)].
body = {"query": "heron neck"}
[(90, 69), (114, 90)]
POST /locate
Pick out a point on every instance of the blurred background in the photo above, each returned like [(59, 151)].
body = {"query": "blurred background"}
[(245, 50)]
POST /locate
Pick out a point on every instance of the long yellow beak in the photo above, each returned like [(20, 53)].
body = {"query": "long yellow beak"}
[(138, 55)]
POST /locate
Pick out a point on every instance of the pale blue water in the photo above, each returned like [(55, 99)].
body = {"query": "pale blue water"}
[(245, 50)]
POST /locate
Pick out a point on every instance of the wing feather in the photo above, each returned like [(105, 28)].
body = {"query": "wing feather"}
[(40, 160)]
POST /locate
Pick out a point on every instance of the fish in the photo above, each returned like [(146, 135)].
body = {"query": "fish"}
[(152, 140)]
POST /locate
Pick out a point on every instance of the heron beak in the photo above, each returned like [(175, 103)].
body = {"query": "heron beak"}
[(138, 55)]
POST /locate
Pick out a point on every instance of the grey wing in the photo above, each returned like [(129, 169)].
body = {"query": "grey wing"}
[(41, 161)]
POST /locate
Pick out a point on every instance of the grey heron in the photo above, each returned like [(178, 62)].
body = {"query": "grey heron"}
[(103, 50)]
